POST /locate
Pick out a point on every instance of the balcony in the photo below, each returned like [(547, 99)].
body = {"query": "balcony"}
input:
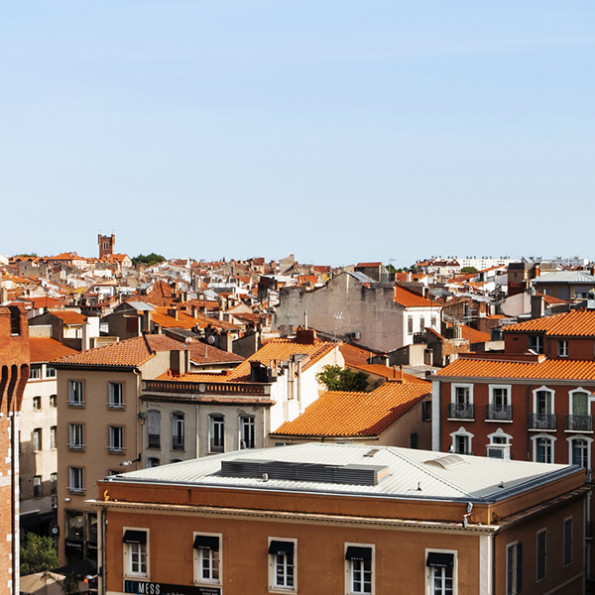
[(499, 412), (154, 441), (579, 423), (461, 411), (542, 421)]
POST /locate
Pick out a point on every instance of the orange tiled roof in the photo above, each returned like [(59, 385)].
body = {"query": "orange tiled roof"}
[(354, 355), (69, 316), (278, 350), (547, 369), (472, 335), (409, 299), (44, 349), (131, 352), (576, 323), (203, 354), (337, 413), (389, 373), (366, 265)]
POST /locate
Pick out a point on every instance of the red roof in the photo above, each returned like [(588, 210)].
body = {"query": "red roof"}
[(44, 349), (337, 413), (410, 299), (576, 323)]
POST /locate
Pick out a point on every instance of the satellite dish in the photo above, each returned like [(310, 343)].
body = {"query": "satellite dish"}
[(211, 339)]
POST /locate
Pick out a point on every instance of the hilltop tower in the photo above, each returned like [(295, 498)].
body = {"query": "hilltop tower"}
[(106, 245)]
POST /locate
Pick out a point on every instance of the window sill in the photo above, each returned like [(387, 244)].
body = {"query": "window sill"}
[(77, 491), (113, 407), (282, 590), (76, 405)]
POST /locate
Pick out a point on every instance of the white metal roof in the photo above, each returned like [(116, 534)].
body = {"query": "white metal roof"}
[(410, 474)]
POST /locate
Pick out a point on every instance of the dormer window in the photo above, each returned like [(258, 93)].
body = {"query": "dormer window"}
[(562, 348), (536, 343)]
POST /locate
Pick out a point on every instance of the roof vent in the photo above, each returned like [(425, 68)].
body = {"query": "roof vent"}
[(447, 461), (295, 471)]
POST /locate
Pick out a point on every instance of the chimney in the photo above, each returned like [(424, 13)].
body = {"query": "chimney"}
[(537, 306), (305, 336)]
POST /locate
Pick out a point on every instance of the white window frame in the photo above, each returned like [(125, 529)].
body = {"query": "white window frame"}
[(512, 556), (116, 439), (572, 440), (130, 549), (551, 439), (461, 432), (213, 424), (76, 436), (571, 394), (76, 393), (562, 347), (494, 387), (453, 392), (500, 433), (37, 439), (429, 573), (112, 402), (76, 480), (275, 587), (539, 343), (199, 555), (553, 399), (350, 570), (243, 422)]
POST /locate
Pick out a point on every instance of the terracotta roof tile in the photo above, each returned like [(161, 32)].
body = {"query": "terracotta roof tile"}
[(389, 373), (547, 369), (345, 414), (131, 352), (203, 354), (353, 355), (44, 349), (576, 323), (410, 299), (69, 316)]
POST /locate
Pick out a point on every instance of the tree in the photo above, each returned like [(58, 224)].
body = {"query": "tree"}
[(148, 259), (344, 379), (467, 270), (38, 554), (70, 584)]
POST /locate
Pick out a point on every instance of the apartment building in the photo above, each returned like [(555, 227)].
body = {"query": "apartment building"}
[(99, 429), (343, 520), (38, 453)]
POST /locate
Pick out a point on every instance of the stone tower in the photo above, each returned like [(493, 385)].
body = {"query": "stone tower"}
[(106, 245)]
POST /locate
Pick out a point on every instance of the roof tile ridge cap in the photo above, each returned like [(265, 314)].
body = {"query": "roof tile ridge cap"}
[(429, 472)]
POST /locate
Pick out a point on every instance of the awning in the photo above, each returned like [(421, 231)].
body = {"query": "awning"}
[(440, 560), (358, 553), (281, 547), (135, 537), (206, 542)]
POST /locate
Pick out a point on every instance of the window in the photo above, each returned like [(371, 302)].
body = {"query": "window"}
[(154, 429), (53, 483), (177, 431), (15, 320), (410, 325), (543, 449), (36, 439), (461, 441), (35, 372), (439, 576), (153, 462), (461, 405), (562, 348), (536, 343), (75, 393), (426, 411), (217, 433), (115, 395), (359, 564), (207, 561), (50, 372), (76, 437), (541, 554), (37, 492), (579, 452), (53, 431), (499, 407), (246, 431), (422, 324), (75, 479), (514, 568), (567, 541), (116, 439), (543, 402), (282, 557), (37, 403), (52, 400), (135, 552)]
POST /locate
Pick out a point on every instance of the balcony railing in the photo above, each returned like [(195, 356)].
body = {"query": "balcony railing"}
[(461, 411), (177, 443), (579, 423), (499, 412), (542, 421), (154, 441)]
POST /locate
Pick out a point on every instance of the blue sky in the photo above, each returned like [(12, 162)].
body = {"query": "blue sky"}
[(339, 131)]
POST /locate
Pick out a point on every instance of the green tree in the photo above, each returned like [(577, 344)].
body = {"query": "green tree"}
[(38, 554), (148, 259), (70, 584), (344, 379), (467, 270)]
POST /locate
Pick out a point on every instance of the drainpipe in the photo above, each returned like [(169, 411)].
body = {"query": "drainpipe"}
[(103, 524), (528, 408), (138, 423)]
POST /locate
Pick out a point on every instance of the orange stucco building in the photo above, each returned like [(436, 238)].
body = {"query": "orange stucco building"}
[(338, 519)]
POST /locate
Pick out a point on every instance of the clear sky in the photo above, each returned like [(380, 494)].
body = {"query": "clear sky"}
[(339, 131)]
